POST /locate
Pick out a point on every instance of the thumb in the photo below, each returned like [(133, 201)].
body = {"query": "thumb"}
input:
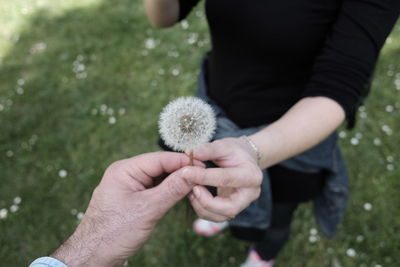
[(170, 191)]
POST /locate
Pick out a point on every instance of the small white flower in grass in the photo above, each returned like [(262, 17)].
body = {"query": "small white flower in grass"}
[(175, 72), (14, 208), (389, 108), (20, 90), (80, 215), (377, 141), (313, 239), (313, 231), (184, 24), (354, 141), (368, 206), (121, 111), (20, 81), (103, 109), (186, 123), (9, 153), (150, 43), (3, 213), (390, 167), (17, 200), (62, 173), (112, 120), (351, 252)]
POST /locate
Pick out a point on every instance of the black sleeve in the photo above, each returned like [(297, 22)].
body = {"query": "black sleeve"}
[(343, 69), (185, 6)]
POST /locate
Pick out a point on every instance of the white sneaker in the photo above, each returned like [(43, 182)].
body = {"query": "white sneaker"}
[(208, 228), (254, 260)]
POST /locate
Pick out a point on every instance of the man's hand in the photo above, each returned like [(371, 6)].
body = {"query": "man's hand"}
[(238, 179), (124, 209)]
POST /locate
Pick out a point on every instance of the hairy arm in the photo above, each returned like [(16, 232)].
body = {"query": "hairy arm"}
[(81, 248)]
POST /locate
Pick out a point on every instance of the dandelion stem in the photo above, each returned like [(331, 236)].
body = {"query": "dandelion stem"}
[(187, 212), (191, 158)]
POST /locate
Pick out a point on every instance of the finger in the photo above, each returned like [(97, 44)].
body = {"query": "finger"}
[(157, 163), (227, 207), (169, 192), (216, 150), (205, 214), (139, 172), (245, 176)]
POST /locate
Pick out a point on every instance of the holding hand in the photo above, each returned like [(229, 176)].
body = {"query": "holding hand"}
[(238, 179), (123, 211)]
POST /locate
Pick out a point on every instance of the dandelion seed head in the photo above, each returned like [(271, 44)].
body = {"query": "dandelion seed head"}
[(187, 123)]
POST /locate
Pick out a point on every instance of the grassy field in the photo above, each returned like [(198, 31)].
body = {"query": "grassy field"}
[(82, 84)]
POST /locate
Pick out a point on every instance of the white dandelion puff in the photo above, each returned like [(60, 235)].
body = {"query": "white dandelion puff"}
[(187, 123)]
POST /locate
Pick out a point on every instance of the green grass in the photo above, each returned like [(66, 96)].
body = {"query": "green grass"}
[(67, 67)]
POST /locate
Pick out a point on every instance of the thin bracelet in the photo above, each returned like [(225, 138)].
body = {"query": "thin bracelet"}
[(255, 148)]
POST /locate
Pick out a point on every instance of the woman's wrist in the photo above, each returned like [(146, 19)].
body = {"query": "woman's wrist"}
[(254, 147)]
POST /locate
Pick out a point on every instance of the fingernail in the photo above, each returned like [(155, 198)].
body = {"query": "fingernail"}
[(196, 192)]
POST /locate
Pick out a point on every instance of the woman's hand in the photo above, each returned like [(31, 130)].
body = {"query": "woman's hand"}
[(238, 179)]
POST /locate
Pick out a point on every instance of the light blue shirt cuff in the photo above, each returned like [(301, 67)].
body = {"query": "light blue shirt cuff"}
[(47, 262)]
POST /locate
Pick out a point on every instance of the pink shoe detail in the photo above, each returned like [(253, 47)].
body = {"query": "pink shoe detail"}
[(208, 228), (254, 260)]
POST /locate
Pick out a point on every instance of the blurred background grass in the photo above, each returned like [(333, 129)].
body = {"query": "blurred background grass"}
[(82, 84)]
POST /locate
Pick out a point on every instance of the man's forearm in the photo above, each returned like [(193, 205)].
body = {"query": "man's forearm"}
[(305, 125), (82, 248)]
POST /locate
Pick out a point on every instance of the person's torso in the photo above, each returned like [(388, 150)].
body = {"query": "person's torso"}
[(263, 52)]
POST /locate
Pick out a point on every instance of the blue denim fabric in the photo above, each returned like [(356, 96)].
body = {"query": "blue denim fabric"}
[(329, 206)]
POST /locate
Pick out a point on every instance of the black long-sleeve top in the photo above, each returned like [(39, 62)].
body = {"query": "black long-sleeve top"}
[(268, 54)]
